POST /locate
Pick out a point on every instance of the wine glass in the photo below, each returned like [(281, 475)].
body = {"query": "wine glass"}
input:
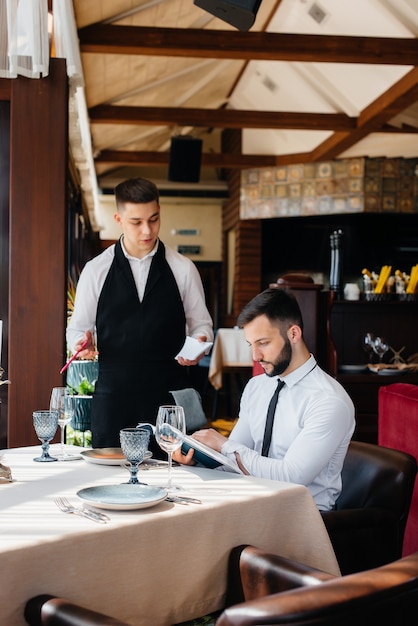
[(367, 342), (46, 424), (170, 429), (380, 347), (64, 403), (134, 443)]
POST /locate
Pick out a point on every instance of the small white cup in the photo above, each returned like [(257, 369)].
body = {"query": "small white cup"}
[(352, 291)]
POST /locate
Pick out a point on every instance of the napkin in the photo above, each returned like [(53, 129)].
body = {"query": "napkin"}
[(400, 367), (5, 473), (192, 348)]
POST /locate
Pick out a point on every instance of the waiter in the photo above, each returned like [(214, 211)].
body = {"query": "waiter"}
[(135, 303)]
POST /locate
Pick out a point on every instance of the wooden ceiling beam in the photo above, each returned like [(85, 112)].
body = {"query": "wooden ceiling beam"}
[(373, 118), (219, 118), (249, 46), (215, 160)]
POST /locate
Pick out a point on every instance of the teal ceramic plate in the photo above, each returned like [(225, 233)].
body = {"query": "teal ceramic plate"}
[(123, 497)]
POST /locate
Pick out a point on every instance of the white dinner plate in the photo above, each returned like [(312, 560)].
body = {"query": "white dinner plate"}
[(352, 369), (390, 372), (123, 497), (108, 456)]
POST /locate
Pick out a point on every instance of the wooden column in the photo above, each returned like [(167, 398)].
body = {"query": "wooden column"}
[(37, 243), (4, 242)]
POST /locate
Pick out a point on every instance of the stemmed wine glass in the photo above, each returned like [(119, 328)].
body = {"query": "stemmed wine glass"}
[(170, 429), (64, 403), (134, 443), (368, 341), (380, 347), (45, 424)]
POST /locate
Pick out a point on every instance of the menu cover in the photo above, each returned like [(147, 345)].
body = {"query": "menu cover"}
[(206, 456)]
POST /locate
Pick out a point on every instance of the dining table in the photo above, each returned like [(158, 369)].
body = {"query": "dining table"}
[(230, 368), (230, 350), (160, 564)]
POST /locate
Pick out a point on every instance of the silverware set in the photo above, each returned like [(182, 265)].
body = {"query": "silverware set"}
[(101, 518), (64, 505)]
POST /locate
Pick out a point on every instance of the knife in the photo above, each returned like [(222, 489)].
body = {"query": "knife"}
[(183, 500), (94, 515)]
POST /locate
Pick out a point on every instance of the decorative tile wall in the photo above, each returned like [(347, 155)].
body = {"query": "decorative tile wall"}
[(344, 186)]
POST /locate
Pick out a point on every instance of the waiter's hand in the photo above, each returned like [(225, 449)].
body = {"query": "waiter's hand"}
[(182, 361), (89, 351)]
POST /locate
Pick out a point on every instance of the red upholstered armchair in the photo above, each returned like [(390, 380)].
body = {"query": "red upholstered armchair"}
[(398, 428)]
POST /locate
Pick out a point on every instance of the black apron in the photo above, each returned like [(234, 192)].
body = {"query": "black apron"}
[(137, 342)]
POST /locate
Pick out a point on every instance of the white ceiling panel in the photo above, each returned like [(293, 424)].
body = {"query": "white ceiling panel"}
[(124, 78)]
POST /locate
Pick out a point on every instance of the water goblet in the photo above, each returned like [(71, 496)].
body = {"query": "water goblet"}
[(170, 429), (46, 424), (134, 443)]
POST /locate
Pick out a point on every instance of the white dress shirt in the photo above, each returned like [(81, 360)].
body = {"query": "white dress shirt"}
[(313, 425), (92, 278)]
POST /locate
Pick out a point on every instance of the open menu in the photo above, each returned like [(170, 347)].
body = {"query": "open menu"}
[(206, 456), (202, 454)]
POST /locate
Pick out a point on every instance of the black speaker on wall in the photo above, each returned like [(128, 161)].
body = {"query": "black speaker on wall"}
[(238, 13), (185, 158)]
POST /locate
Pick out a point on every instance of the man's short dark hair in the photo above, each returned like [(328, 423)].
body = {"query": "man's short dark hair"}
[(137, 191), (278, 305)]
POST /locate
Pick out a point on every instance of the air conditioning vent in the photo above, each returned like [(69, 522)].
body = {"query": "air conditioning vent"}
[(317, 13), (270, 84)]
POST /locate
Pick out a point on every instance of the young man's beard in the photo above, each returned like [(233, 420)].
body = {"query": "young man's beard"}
[(283, 360)]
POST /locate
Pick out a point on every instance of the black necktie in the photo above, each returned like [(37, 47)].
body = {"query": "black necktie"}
[(270, 418)]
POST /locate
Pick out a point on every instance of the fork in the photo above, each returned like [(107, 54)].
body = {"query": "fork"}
[(64, 505)]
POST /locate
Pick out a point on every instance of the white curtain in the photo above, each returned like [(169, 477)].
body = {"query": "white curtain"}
[(24, 41), (25, 48), (66, 40)]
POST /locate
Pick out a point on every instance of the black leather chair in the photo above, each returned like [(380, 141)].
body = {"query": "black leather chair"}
[(368, 524), (274, 590)]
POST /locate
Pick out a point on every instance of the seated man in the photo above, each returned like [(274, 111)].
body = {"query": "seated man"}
[(313, 415)]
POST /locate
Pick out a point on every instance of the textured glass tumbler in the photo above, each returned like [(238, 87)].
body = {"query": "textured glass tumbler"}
[(134, 443), (45, 424)]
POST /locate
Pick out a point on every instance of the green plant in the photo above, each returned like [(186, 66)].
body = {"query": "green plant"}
[(85, 388), (78, 438)]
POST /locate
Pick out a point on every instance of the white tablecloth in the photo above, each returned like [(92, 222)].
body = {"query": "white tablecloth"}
[(230, 349), (156, 566)]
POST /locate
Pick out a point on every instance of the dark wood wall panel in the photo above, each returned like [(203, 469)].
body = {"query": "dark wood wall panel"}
[(247, 280), (4, 252), (37, 270)]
